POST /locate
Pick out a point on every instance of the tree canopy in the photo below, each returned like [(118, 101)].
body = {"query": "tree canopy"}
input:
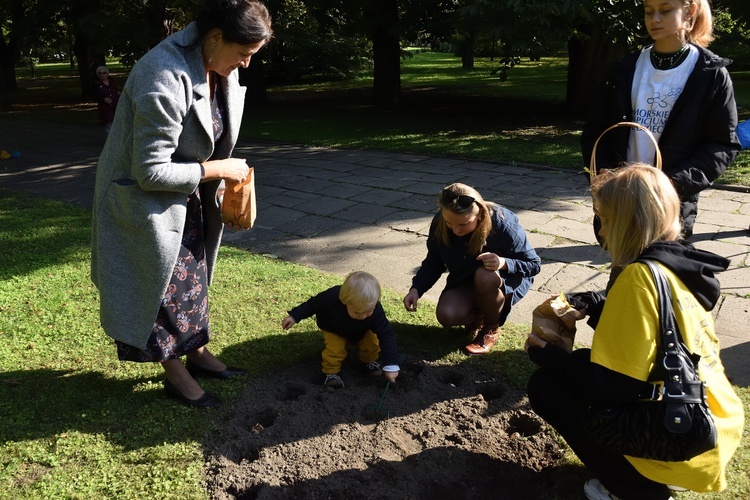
[(337, 39)]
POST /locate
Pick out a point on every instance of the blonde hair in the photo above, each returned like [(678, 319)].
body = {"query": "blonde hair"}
[(360, 291), (639, 206), (700, 28), (483, 210)]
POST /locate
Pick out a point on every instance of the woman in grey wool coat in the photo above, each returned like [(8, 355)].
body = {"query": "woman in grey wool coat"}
[(156, 220)]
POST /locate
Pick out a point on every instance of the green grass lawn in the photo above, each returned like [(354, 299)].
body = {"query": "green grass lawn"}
[(443, 110), (77, 423), (446, 110)]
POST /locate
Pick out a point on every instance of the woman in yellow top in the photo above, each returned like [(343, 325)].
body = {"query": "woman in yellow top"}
[(639, 209)]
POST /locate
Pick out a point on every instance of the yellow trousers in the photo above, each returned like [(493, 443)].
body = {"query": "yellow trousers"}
[(335, 351)]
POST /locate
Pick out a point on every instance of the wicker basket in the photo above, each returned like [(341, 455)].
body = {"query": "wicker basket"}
[(592, 164)]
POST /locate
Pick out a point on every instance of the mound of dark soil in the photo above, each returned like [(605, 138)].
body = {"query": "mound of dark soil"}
[(447, 431)]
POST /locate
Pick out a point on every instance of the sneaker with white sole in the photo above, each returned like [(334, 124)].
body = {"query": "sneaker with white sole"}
[(595, 490), (333, 380), (373, 369)]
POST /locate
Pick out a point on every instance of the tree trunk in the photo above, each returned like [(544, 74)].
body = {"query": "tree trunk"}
[(7, 67), (4, 94), (386, 53), (10, 52), (467, 52), (589, 59), (71, 55), (254, 78), (88, 60)]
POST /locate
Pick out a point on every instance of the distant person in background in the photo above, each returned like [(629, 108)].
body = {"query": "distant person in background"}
[(108, 96), (156, 218), (490, 262), (681, 92)]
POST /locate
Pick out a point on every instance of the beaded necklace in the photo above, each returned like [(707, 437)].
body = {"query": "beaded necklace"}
[(668, 61)]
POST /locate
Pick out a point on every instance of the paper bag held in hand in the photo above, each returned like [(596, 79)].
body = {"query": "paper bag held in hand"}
[(554, 320), (238, 206)]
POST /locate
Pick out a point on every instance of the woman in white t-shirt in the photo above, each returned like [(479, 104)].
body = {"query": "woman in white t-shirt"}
[(681, 92)]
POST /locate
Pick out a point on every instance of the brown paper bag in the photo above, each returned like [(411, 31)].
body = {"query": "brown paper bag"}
[(554, 320), (238, 206)]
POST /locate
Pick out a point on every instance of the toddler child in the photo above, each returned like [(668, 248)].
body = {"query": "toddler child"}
[(351, 313)]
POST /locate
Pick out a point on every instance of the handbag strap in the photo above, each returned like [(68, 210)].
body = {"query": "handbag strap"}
[(671, 339), (678, 370)]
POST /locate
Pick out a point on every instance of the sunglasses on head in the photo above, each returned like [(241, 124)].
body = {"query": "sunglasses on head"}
[(458, 201)]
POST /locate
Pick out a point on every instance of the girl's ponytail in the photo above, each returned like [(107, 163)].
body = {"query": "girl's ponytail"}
[(700, 29)]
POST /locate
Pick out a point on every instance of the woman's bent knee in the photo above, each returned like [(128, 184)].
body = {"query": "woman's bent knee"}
[(485, 278), (447, 320)]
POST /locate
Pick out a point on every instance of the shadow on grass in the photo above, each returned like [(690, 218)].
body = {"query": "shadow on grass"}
[(132, 412), (30, 226), (734, 359), (43, 403)]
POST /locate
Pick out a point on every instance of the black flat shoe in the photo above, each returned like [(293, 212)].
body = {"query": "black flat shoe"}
[(228, 372), (206, 401)]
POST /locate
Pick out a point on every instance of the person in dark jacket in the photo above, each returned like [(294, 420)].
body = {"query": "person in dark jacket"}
[(639, 210), (490, 262), (107, 97), (681, 92), (351, 314)]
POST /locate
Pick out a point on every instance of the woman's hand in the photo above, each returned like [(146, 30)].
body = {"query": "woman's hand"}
[(573, 313), (390, 376), (287, 323), (230, 169), (492, 261), (411, 299)]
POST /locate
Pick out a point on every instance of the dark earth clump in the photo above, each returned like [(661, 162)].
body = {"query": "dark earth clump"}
[(443, 431)]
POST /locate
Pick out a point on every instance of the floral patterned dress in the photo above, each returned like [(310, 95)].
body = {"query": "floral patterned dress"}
[(182, 325)]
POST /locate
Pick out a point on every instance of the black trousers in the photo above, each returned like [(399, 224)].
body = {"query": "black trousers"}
[(552, 399), (688, 213)]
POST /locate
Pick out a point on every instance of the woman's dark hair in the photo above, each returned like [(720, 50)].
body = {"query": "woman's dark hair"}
[(245, 22)]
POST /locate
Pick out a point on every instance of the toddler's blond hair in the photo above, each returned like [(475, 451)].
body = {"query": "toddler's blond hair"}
[(360, 291)]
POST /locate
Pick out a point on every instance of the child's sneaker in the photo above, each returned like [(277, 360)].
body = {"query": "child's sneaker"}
[(373, 369), (595, 490), (333, 380)]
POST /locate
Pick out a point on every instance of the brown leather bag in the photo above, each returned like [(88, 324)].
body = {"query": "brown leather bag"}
[(238, 206)]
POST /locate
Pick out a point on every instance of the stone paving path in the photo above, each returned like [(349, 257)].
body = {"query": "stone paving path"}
[(343, 210)]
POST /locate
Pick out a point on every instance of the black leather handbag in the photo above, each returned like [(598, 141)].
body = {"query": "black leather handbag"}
[(673, 423)]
